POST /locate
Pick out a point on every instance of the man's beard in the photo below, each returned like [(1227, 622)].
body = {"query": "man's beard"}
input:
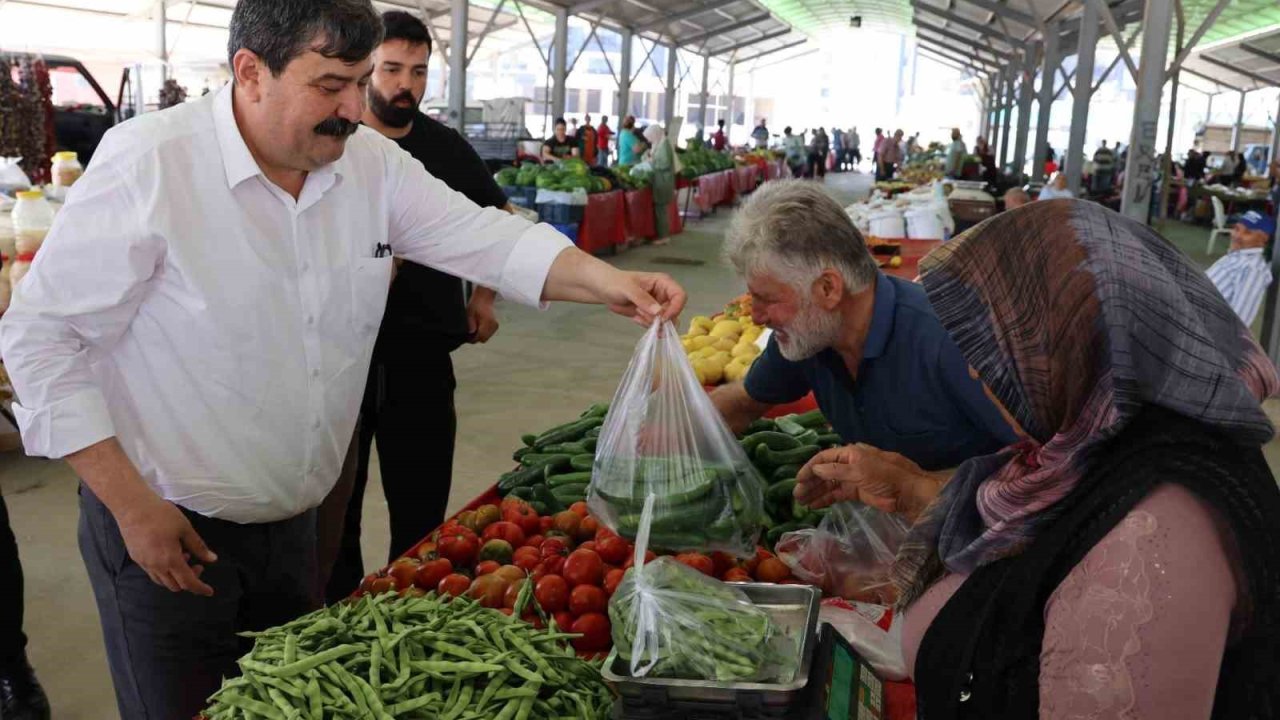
[(811, 332), (391, 114)]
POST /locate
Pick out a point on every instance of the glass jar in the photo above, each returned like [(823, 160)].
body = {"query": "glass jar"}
[(66, 169), (32, 218)]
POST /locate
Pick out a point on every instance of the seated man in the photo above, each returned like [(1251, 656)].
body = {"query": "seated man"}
[(1243, 274), (869, 346), (1015, 198)]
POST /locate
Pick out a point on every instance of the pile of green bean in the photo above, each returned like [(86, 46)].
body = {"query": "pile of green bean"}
[(414, 657)]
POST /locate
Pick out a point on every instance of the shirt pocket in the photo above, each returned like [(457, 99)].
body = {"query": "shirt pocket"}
[(370, 285)]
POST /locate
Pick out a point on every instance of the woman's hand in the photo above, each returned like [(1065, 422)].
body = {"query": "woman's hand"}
[(860, 473)]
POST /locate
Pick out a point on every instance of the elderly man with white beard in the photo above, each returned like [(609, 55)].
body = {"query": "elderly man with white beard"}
[(869, 346)]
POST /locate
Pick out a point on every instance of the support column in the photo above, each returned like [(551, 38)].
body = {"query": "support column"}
[(559, 62), (1236, 135), (1087, 48), (1026, 89), (1049, 76), (1139, 174), (458, 63), (1007, 125), (997, 103), (703, 97), (624, 82), (162, 41), (729, 121), (1275, 141), (669, 112), (1270, 312)]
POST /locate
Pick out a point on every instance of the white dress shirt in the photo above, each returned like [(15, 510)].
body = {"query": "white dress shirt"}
[(221, 330), (1242, 276)]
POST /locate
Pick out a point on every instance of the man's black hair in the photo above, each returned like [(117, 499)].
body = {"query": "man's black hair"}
[(400, 25), (280, 30), (559, 121)]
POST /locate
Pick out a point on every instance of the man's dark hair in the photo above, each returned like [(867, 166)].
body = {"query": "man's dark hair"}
[(559, 121), (879, 130), (400, 25), (720, 122), (280, 30)]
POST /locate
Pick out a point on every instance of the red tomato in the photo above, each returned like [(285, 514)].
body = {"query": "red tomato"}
[(533, 619), (552, 593), (538, 572), (486, 567), (432, 572), (566, 522), (723, 562), (524, 517), (544, 524), (649, 556), (613, 550), (579, 508), (584, 567), (382, 584), (553, 547), (459, 549), (413, 591), (454, 585), (698, 562), (527, 558), (587, 529), (594, 628), (737, 575), (588, 545), (511, 572), (554, 564), (588, 599), (513, 592), (426, 551), (612, 580), (604, 532), (366, 584), (510, 502), (564, 620), (453, 529), (504, 530), (554, 534), (534, 541), (506, 611), (772, 570), (489, 590)]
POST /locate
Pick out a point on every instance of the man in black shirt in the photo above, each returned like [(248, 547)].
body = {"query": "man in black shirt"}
[(559, 146), (408, 402)]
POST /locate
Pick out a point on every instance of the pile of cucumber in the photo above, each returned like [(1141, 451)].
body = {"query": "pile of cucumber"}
[(779, 448), (555, 465)]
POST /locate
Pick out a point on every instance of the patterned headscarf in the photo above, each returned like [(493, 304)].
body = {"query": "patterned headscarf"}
[(1076, 318)]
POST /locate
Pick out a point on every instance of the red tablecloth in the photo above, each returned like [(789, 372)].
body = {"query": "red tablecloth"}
[(714, 189), (746, 178), (912, 252), (604, 222), (639, 214), (776, 170)]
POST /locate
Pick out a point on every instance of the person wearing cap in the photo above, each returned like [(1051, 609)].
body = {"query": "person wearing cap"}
[(1243, 274)]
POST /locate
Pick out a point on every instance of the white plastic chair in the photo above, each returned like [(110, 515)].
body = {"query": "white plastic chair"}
[(1219, 222)]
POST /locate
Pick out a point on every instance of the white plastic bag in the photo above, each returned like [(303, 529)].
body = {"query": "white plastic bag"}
[(880, 648), (849, 554), (12, 178), (663, 436), (560, 197)]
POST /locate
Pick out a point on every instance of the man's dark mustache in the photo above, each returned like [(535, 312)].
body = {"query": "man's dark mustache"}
[(406, 96), (337, 127)]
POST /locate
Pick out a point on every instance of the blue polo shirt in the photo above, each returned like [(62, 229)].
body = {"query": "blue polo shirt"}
[(913, 394)]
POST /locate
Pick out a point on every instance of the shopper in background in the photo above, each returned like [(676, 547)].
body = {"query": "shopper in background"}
[(866, 344), (1056, 189), (1104, 168), (875, 152), (411, 381), (21, 697), (819, 148), (663, 158), (1194, 167), (603, 135), (587, 141), (627, 154), (797, 155), (719, 141), (1121, 560), (837, 148), (1244, 273), (761, 135), (199, 361), (983, 150), (853, 148), (955, 155), (1050, 160), (559, 145), (891, 155), (1015, 197)]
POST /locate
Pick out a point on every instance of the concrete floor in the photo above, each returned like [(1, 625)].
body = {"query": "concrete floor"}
[(541, 369)]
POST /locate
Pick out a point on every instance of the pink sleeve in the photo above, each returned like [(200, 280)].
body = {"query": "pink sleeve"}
[(1138, 628)]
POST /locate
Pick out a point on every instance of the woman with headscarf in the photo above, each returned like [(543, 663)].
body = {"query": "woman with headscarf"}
[(1123, 560), (663, 158)]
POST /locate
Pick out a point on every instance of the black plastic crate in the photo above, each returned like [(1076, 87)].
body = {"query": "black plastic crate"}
[(561, 214)]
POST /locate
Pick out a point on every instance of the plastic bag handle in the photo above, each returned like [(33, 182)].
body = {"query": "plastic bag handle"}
[(646, 607)]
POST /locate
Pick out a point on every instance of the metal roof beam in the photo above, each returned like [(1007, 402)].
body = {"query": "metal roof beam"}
[(947, 50), (1199, 33), (589, 5), (968, 65), (962, 51), (944, 61), (718, 29), (967, 23), (778, 49), (1215, 81), (1003, 56), (1269, 82), (682, 15), (1259, 52), (1007, 12), (749, 43)]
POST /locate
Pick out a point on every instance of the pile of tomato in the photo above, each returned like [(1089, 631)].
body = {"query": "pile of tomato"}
[(574, 563)]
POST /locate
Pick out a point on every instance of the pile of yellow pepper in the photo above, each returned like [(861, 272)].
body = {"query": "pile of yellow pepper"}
[(722, 348)]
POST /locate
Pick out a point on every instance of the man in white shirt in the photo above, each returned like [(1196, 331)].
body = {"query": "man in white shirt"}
[(1243, 274), (196, 334)]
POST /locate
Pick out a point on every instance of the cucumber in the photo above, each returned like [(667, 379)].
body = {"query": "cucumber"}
[(529, 439), (802, 513), (518, 478), (808, 437), (566, 448), (545, 460), (773, 439), (814, 419), (780, 493), (789, 426), (772, 537), (691, 491), (583, 462), (597, 410), (829, 440), (573, 478), (766, 455), (543, 494), (760, 425), (539, 507), (570, 494), (785, 472)]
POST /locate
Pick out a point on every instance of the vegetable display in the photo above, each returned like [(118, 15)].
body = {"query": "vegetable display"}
[(411, 657), (700, 160), (722, 348), (566, 175)]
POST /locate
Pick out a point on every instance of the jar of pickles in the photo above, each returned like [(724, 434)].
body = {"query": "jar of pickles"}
[(32, 218), (66, 169)]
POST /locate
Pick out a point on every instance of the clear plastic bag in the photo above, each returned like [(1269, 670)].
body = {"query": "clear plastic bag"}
[(671, 621), (881, 648), (849, 554), (664, 437)]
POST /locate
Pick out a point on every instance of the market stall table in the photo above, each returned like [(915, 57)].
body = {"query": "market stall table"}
[(746, 179), (603, 223), (912, 252)]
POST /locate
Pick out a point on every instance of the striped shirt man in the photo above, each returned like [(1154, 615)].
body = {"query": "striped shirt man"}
[(1242, 276)]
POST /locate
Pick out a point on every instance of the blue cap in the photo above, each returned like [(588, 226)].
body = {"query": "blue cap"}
[(1255, 220)]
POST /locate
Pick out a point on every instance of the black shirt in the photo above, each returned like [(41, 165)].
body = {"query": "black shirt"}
[(426, 308), (561, 149)]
